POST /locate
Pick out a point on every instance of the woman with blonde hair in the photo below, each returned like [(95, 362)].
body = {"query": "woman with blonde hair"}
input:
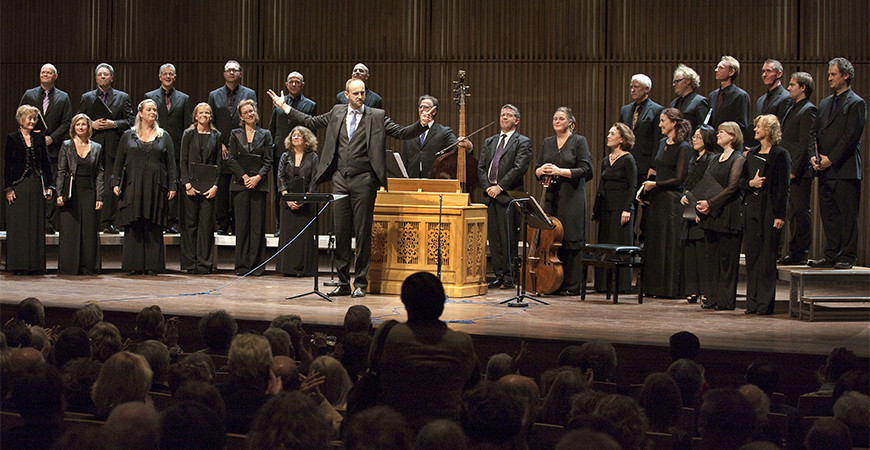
[(80, 181), (124, 377), (145, 178), (296, 170)]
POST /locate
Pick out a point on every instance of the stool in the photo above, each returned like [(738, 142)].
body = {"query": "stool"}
[(611, 257)]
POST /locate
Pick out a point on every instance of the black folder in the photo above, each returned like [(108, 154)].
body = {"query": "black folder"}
[(251, 163), (202, 176)]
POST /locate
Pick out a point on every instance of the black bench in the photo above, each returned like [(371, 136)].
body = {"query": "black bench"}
[(611, 257)]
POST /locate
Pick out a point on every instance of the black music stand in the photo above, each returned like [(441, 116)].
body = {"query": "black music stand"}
[(535, 217), (313, 198)]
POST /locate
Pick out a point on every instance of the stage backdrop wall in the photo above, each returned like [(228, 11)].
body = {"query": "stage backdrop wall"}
[(538, 56)]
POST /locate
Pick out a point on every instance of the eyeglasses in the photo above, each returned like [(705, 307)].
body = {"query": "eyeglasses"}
[(232, 70), (677, 80)]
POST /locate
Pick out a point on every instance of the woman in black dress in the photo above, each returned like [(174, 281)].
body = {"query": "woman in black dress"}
[(565, 157), (250, 158), (200, 149), (663, 251), (722, 220), (765, 183), (80, 180), (616, 191), (694, 245), (28, 186), (145, 178), (299, 161)]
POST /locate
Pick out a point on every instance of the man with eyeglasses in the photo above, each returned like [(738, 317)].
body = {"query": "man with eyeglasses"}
[(694, 106), (224, 103)]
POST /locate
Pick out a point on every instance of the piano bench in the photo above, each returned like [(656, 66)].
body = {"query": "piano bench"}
[(612, 257)]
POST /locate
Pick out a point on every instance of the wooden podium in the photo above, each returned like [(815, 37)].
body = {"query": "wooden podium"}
[(405, 237)]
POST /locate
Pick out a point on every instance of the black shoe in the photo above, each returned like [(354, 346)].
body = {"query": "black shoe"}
[(151, 273), (568, 293), (692, 299), (340, 291), (764, 313), (842, 265), (358, 292), (722, 308), (508, 284), (133, 272), (749, 311), (277, 233), (50, 230), (171, 230), (705, 305), (222, 232), (494, 283), (111, 229), (820, 263), (792, 261)]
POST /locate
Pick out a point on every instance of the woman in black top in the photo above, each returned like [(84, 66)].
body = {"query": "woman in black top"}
[(663, 252), (28, 186), (200, 149), (565, 157), (765, 183), (694, 245), (145, 178), (722, 220), (80, 180), (299, 161), (250, 158), (616, 191)]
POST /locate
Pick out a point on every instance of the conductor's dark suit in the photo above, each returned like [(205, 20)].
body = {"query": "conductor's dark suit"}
[(280, 128), (117, 108), (694, 107), (838, 134), (512, 167), (734, 108), (647, 133), (175, 120), (799, 138), (225, 117), (418, 157), (357, 167), (57, 122)]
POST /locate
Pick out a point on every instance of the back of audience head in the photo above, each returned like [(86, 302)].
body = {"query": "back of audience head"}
[(157, 355), (291, 323), (757, 399), (39, 340), (290, 420), (600, 356), (828, 433), (190, 425), (217, 330), (423, 297), (203, 393), (337, 383), (150, 323), (684, 344), (354, 353), (17, 334), (853, 409), (193, 367), (689, 376), (285, 367), (628, 423), (527, 389), (491, 414), (31, 311), (763, 374), (132, 425), (840, 361), (279, 341), (726, 419), (379, 427), (38, 394), (249, 360), (584, 403), (661, 401), (72, 342), (124, 377), (79, 375), (570, 356), (87, 316), (857, 380), (498, 366), (358, 319), (557, 403), (440, 434), (105, 340), (587, 439)]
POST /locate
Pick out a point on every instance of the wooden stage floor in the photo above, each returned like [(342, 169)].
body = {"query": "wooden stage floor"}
[(565, 319)]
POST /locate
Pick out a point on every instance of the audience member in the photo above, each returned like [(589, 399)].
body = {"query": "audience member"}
[(586, 439), (203, 393), (726, 419), (124, 377), (150, 324), (491, 416), (279, 341), (191, 425), (87, 316), (600, 356), (498, 366), (569, 357), (337, 383), (285, 368), (17, 334), (72, 342), (20, 360), (764, 429), (157, 355), (857, 380), (528, 391), (441, 434), (556, 407), (105, 340), (628, 423), (689, 376), (290, 420), (79, 376), (380, 428), (31, 311), (358, 319), (292, 324), (38, 396), (193, 367), (840, 361), (684, 344), (249, 360), (828, 433), (353, 352), (661, 402), (583, 404), (132, 425), (39, 340), (853, 409), (217, 330)]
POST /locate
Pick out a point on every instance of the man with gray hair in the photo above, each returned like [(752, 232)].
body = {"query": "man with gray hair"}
[(174, 114), (55, 110), (729, 103), (112, 114), (361, 72), (280, 127), (776, 99), (693, 105), (642, 115)]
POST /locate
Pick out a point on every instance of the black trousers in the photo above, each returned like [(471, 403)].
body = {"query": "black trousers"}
[(502, 241), (197, 233), (352, 217), (250, 208), (838, 205), (143, 247), (761, 240), (223, 208), (723, 263), (800, 219), (110, 201)]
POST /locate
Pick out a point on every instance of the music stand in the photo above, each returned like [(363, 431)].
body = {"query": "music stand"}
[(313, 198), (535, 217)]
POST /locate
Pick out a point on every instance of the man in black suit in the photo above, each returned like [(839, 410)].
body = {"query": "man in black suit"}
[(729, 103), (112, 114), (56, 111), (838, 165), (694, 106), (799, 138), (419, 154), (775, 100), (280, 128), (224, 103), (354, 158), (642, 115), (504, 161), (361, 72), (174, 114)]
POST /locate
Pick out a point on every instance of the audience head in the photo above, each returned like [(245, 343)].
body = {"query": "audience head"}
[(337, 383), (628, 423), (290, 420), (358, 319), (132, 425), (39, 340), (124, 377), (556, 407), (684, 344), (249, 360), (763, 374), (661, 401), (854, 380), (105, 340), (498, 366), (279, 341), (840, 361), (379, 427), (290, 323), (491, 414), (17, 334), (527, 389), (217, 330), (193, 367), (79, 376), (72, 342), (757, 399), (689, 376), (150, 323), (87, 316), (191, 425), (440, 434), (38, 394), (600, 356), (726, 419), (355, 350), (285, 367), (853, 409), (203, 393), (571, 356), (423, 297), (584, 403), (587, 439), (828, 433), (157, 355), (31, 311)]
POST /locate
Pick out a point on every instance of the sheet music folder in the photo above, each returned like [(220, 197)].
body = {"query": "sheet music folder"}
[(537, 218)]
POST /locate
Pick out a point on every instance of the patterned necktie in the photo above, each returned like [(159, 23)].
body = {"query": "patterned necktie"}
[(45, 103), (352, 125), (167, 98), (634, 116), (499, 151)]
